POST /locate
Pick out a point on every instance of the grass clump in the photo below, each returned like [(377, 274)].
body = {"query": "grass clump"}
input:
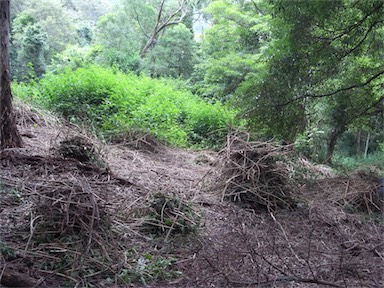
[(7, 252)]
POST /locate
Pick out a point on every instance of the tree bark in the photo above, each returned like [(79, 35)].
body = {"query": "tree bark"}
[(367, 145), (332, 144), (9, 135), (358, 143)]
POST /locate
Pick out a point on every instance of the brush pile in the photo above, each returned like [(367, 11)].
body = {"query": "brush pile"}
[(255, 174), (80, 148), (72, 228), (64, 219), (167, 215), (139, 140), (359, 194), (69, 208)]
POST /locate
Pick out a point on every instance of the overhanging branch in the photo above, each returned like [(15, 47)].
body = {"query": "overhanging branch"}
[(360, 85), (161, 24)]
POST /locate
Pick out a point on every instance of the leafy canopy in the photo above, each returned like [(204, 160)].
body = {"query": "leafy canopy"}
[(295, 66)]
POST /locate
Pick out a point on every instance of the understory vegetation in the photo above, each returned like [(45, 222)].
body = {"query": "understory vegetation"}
[(115, 103)]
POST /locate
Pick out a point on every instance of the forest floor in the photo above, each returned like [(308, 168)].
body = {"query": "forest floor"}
[(66, 223)]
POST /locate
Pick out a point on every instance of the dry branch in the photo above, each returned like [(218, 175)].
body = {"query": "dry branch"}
[(254, 174)]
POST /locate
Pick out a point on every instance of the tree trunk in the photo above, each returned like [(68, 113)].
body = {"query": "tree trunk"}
[(358, 143), (367, 145), (332, 144), (9, 135)]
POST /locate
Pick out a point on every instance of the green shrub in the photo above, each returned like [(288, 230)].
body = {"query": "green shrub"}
[(207, 125), (115, 102), (372, 163), (157, 110), (147, 268), (80, 93), (29, 92)]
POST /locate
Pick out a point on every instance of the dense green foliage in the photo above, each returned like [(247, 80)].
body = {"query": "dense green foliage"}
[(30, 46), (38, 34), (115, 102), (297, 67), (173, 56)]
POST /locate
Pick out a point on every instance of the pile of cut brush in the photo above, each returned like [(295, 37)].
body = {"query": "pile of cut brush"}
[(359, 192), (256, 174), (64, 220)]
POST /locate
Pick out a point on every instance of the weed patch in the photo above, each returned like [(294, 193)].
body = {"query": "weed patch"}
[(115, 102), (148, 268)]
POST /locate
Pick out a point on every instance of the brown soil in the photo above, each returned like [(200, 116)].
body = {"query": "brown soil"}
[(318, 243)]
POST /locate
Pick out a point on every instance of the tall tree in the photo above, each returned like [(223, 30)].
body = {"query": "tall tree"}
[(326, 60), (230, 48), (37, 34), (144, 25), (28, 47), (164, 19), (307, 63), (9, 135), (173, 56)]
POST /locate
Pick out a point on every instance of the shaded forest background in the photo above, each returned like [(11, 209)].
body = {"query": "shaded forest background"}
[(188, 71)]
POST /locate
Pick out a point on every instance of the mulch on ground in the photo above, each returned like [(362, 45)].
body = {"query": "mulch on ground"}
[(66, 221)]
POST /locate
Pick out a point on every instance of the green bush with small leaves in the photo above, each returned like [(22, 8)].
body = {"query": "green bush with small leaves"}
[(115, 102), (207, 125)]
